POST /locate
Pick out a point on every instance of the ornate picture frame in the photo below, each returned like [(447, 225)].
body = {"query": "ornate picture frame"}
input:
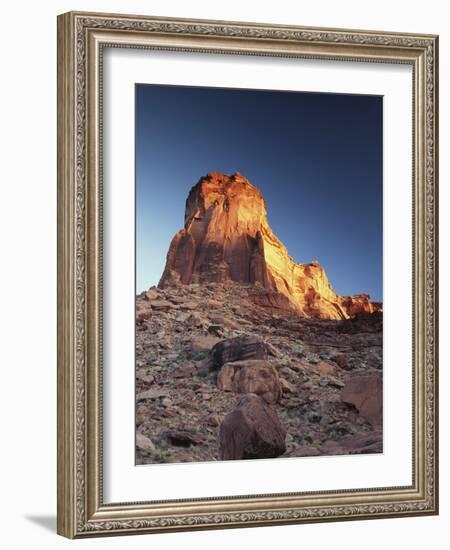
[(82, 38)]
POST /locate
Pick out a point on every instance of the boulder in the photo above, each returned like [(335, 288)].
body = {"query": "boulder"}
[(251, 376), (251, 430), (142, 375), (359, 443), (162, 305), (202, 344), (246, 346), (144, 443), (365, 392), (151, 294)]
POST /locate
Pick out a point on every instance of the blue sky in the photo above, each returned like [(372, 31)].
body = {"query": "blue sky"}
[(317, 159)]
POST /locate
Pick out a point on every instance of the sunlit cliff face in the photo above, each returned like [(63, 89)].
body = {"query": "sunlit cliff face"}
[(226, 237), (229, 206)]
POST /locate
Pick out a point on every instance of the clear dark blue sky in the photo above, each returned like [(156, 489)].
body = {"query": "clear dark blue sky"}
[(317, 158)]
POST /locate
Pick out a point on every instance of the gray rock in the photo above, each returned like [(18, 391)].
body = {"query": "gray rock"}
[(154, 393)]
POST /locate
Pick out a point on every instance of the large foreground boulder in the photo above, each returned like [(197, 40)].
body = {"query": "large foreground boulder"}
[(365, 392), (251, 376), (246, 346), (251, 430)]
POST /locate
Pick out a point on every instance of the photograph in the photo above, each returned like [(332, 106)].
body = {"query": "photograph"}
[(259, 274), (247, 273)]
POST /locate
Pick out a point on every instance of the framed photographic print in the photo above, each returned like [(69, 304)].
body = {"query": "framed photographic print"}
[(247, 276)]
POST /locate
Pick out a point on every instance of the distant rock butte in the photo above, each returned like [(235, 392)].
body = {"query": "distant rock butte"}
[(226, 237)]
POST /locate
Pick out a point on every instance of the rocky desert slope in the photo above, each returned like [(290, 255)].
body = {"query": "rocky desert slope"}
[(241, 353)]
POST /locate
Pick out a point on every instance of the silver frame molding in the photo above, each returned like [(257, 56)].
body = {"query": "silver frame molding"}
[(81, 39)]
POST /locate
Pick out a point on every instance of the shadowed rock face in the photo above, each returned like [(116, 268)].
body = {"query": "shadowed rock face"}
[(251, 430), (365, 392), (226, 237)]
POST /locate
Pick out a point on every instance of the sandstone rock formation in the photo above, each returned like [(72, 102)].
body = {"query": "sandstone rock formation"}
[(251, 376), (226, 237), (251, 430)]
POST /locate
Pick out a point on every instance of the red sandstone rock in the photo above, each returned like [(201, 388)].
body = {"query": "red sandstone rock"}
[(251, 376), (251, 430), (226, 237), (201, 344)]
